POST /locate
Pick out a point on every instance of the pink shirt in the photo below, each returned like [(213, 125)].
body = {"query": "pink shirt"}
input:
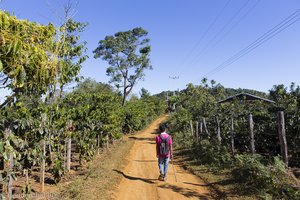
[(159, 140)]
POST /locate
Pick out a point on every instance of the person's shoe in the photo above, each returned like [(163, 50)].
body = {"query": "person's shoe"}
[(165, 179), (161, 177)]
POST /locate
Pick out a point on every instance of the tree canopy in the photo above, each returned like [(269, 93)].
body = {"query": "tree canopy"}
[(127, 54), (70, 51), (26, 60)]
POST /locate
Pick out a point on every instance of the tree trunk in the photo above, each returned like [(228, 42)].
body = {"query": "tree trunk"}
[(26, 178), (49, 143), (26, 182), (50, 149), (197, 130), (42, 179), (124, 98), (8, 166), (124, 90), (69, 144), (43, 164), (61, 91), (282, 137)]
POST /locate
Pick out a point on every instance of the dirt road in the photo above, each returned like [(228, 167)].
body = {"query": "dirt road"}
[(140, 175)]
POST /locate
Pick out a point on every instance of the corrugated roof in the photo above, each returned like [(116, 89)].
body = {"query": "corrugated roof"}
[(247, 97)]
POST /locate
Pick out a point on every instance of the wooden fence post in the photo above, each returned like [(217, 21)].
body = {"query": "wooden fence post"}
[(218, 131), (205, 127), (98, 143), (201, 130), (9, 167), (42, 179), (232, 136), (282, 137), (107, 141), (43, 164), (197, 130), (49, 140), (192, 128), (252, 141), (69, 145), (26, 177), (26, 190), (65, 153), (101, 136), (50, 148)]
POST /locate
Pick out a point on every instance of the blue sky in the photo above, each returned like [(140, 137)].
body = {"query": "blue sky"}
[(189, 38)]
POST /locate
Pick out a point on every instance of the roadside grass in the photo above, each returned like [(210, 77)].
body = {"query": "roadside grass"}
[(220, 181), (240, 177), (98, 180)]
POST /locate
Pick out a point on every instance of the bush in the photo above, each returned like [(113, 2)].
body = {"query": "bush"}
[(250, 171), (139, 113), (210, 153), (181, 140), (263, 180)]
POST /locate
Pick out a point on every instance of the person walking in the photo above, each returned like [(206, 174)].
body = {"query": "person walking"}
[(163, 151)]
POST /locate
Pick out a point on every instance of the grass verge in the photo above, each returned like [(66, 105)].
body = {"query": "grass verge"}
[(98, 178), (220, 181)]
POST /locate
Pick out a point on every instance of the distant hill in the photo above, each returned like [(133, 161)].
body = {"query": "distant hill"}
[(219, 92)]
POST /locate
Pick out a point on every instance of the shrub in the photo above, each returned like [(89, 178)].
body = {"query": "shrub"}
[(264, 180), (210, 153)]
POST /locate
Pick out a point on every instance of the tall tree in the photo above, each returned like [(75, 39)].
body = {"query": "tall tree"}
[(90, 86), (71, 52), (144, 93), (127, 54)]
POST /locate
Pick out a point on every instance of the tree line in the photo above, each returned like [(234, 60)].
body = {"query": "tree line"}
[(223, 140), (41, 125)]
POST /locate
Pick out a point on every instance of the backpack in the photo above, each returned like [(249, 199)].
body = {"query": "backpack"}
[(164, 148)]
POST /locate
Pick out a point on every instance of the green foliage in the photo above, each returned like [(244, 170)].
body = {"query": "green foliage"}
[(24, 54), (127, 54), (180, 121), (265, 180), (212, 154), (288, 100), (34, 60), (144, 93), (70, 51), (252, 172), (58, 170), (91, 86), (256, 174), (139, 113), (196, 102)]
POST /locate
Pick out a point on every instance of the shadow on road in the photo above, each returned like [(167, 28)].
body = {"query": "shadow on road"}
[(141, 138), (185, 192), (196, 184), (219, 194), (186, 158), (155, 132), (146, 161), (147, 180)]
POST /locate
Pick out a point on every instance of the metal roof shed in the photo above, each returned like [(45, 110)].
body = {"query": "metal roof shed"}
[(247, 97)]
